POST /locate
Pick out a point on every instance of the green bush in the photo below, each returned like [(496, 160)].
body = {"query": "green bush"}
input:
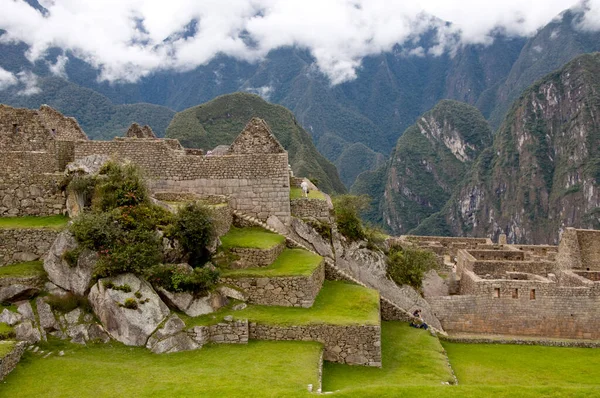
[(193, 228), (175, 278), (68, 302), (119, 185), (322, 229), (347, 209), (71, 256), (407, 266), (6, 331)]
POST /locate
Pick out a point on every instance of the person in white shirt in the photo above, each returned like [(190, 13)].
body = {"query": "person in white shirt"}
[(304, 186)]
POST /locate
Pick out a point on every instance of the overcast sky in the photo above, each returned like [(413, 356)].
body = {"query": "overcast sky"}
[(127, 39)]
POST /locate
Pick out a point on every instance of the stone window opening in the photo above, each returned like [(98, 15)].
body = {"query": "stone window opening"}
[(532, 294), (515, 294), (496, 292), (15, 128)]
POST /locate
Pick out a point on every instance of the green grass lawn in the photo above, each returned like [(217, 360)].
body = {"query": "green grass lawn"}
[(6, 332), (410, 357), (54, 222), (30, 268), (259, 369), (6, 346), (338, 303), (291, 262), (296, 193), (253, 237)]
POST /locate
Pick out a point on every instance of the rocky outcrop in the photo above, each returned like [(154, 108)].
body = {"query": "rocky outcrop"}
[(171, 338), (74, 278), (306, 234), (131, 326), (193, 305)]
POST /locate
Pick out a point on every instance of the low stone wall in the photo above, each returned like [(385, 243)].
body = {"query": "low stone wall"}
[(390, 312), (310, 208), (226, 332), (34, 195), (520, 341), (353, 345), (18, 245), (10, 361), (334, 274), (250, 257), (291, 291)]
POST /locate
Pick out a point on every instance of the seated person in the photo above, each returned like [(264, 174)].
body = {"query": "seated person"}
[(417, 321)]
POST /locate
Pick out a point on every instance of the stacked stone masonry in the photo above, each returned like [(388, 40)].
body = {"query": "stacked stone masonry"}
[(311, 208), (19, 245), (353, 345), (10, 360), (226, 332), (292, 291), (251, 257)]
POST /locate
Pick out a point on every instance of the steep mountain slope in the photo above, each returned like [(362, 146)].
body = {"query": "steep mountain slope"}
[(430, 159), (219, 121), (97, 115), (543, 171), (552, 47)]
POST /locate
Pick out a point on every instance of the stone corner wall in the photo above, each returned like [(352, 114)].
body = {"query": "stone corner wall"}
[(19, 245), (10, 360), (292, 291), (310, 208), (251, 257), (226, 332)]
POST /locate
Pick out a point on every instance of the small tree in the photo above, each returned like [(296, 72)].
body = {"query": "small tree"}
[(119, 185), (347, 209), (407, 266), (193, 228)]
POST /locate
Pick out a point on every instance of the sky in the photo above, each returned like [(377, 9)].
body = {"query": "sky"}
[(128, 39)]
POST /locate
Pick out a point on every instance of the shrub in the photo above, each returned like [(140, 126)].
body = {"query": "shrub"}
[(124, 288), (407, 266), (130, 303), (119, 185), (322, 229), (175, 278), (347, 209), (83, 186), (138, 295), (6, 332), (142, 216), (95, 231), (68, 302), (193, 228), (71, 256)]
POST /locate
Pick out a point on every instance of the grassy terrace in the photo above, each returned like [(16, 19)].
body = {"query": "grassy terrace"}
[(6, 346), (259, 369), (54, 222), (30, 268), (338, 303), (291, 262), (296, 193), (253, 237)]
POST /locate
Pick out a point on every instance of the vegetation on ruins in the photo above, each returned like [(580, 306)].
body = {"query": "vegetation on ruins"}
[(407, 265), (68, 302), (291, 262), (347, 210), (6, 332), (26, 269), (127, 232), (253, 237), (55, 222)]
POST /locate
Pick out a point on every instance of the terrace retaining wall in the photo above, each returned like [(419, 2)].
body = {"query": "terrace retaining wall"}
[(19, 245), (10, 361)]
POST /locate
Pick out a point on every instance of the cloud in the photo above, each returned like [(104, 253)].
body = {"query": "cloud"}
[(58, 68), (29, 81), (7, 79), (128, 39)]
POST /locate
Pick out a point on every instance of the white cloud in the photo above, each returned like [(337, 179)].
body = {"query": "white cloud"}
[(58, 68), (7, 79), (264, 91), (128, 39), (29, 81)]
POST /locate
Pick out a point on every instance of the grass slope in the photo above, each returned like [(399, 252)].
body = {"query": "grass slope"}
[(291, 262), (55, 222), (5, 346), (338, 303), (296, 193), (219, 121), (30, 268), (252, 237), (261, 368)]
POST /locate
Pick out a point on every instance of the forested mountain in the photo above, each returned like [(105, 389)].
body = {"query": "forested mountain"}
[(542, 172), (430, 159), (219, 121)]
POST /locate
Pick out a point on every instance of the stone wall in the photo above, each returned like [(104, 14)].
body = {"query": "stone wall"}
[(251, 257), (34, 195), (566, 313), (291, 291), (257, 184), (10, 360), (19, 245), (310, 208), (226, 332), (390, 312), (353, 344)]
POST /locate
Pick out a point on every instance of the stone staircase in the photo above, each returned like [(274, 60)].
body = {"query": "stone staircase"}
[(390, 310)]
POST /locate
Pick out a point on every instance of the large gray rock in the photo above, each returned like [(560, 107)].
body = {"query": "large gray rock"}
[(17, 292), (230, 292), (24, 308), (191, 305), (47, 320), (26, 331), (171, 338), (76, 278), (129, 326), (97, 333), (307, 235), (10, 318), (434, 285)]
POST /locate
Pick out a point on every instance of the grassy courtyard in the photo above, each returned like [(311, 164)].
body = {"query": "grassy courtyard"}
[(54, 222), (338, 303), (291, 262), (27, 269), (252, 237), (296, 193)]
